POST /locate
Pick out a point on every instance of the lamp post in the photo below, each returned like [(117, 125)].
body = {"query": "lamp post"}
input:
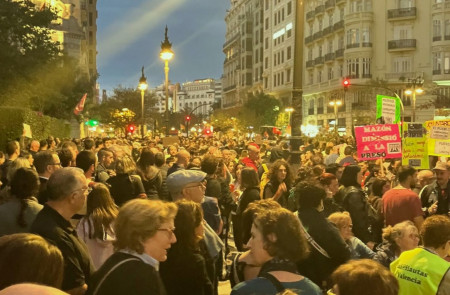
[(289, 110), (414, 86), (335, 103), (142, 86), (166, 54)]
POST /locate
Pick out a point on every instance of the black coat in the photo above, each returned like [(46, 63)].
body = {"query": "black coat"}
[(317, 267)]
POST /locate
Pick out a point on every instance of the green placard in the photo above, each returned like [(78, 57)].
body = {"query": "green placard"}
[(389, 109)]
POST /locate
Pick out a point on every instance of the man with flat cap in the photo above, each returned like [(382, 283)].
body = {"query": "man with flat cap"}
[(435, 197), (190, 185)]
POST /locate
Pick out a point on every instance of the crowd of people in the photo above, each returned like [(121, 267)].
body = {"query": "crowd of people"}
[(137, 216)]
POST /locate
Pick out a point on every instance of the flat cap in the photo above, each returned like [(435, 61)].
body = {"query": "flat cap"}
[(441, 166), (179, 179)]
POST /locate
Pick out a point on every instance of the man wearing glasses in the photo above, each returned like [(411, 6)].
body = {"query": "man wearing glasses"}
[(67, 191), (46, 163)]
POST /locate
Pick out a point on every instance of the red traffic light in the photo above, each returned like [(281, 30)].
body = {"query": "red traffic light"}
[(131, 128), (346, 83), (187, 118)]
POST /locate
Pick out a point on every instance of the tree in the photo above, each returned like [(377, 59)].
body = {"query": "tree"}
[(261, 109)]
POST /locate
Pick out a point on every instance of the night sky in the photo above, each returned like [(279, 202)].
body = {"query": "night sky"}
[(129, 36)]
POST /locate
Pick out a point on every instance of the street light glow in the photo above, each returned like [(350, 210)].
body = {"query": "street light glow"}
[(338, 103), (289, 109), (408, 92), (143, 86), (166, 55)]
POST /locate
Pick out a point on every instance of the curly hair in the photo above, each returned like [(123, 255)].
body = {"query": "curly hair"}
[(252, 210), (290, 242), (274, 171), (435, 231)]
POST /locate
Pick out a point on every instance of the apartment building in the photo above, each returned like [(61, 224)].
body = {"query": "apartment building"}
[(198, 96), (373, 43), (76, 30)]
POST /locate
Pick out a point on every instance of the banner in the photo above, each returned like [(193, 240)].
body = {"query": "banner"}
[(388, 109), (414, 147), (438, 137), (378, 141)]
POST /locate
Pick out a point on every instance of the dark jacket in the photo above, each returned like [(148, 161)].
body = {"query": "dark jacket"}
[(354, 201), (133, 277), (317, 267), (385, 254), (240, 234), (432, 193), (271, 188), (185, 272), (125, 187)]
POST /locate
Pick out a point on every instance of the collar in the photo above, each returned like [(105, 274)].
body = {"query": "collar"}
[(144, 257), (43, 177)]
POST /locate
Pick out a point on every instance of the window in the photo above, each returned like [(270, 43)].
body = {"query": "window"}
[(275, 18), (436, 61), (365, 35), (266, 43), (91, 19), (330, 19), (330, 46), (288, 75), (275, 59), (310, 54), (289, 7), (266, 24), (320, 106), (320, 24), (282, 14), (341, 42), (282, 56), (446, 62), (311, 78), (353, 68), (330, 73), (289, 33), (320, 50), (405, 3), (366, 67), (356, 6), (267, 4), (436, 28), (282, 78), (402, 32), (319, 76), (352, 36), (447, 27), (402, 64), (288, 53)]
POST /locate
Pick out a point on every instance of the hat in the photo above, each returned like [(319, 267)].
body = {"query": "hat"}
[(441, 166), (179, 179)]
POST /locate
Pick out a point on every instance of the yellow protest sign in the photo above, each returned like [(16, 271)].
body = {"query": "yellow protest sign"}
[(414, 147), (438, 137)]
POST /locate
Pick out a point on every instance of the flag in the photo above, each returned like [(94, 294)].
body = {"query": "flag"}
[(80, 106)]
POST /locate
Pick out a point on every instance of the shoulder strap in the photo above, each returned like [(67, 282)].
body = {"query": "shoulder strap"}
[(314, 243), (110, 271), (275, 282)]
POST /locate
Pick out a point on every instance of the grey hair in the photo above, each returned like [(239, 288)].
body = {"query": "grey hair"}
[(63, 182)]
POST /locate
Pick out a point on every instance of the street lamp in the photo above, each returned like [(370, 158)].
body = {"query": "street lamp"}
[(142, 86), (289, 110), (166, 54), (414, 86), (335, 103)]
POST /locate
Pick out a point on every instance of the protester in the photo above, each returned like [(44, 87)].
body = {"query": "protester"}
[(96, 228), (424, 270), (144, 232), (150, 175), (46, 163), (363, 277), (435, 198), (17, 214), (185, 261), (280, 181), (396, 239)]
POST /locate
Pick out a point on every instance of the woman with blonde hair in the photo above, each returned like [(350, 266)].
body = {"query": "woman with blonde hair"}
[(96, 228), (144, 233), (343, 222), (396, 239)]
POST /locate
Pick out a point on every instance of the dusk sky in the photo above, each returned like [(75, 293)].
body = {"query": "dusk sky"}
[(129, 36)]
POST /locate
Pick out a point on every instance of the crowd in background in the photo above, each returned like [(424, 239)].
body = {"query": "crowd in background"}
[(144, 216)]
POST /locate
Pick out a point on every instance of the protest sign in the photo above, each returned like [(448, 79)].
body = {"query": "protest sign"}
[(378, 141), (414, 147), (388, 109), (438, 137)]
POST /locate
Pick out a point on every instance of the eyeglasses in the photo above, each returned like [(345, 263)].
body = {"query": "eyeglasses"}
[(170, 231), (85, 190), (201, 185)]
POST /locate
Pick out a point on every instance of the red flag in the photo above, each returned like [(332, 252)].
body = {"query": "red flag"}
[(80, 106)]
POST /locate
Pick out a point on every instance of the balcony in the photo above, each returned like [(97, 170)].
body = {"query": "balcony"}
[(329, 57), (309, 39), (229, 88), (339, 53), (404, 44), (447, 37), (400, 76), (353, 45), (328, 30), (231, 40), (329, 4), (338, 26), (366, 44), (360, 106), (310, 15), (310, 63), (366, 76), (319, 9), (319, 60), (318, 35), (437, 72), (402, 13), (437, 38)]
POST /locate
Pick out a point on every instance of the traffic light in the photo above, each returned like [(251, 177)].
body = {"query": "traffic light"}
[(91, 123), (346, 83), (131, 128), (187, 118)]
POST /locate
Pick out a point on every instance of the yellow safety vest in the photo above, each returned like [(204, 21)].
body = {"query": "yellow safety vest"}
[(419, 271)]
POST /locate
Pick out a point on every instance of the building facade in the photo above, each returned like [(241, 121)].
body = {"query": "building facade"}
[(377, 45)]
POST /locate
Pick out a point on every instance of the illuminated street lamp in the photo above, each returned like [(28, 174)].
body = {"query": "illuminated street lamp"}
[(142, 86), (166, 54), (335, 103), (289, 110), (414, 86)]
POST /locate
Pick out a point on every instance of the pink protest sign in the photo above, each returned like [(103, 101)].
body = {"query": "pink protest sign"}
[(378, 141)]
